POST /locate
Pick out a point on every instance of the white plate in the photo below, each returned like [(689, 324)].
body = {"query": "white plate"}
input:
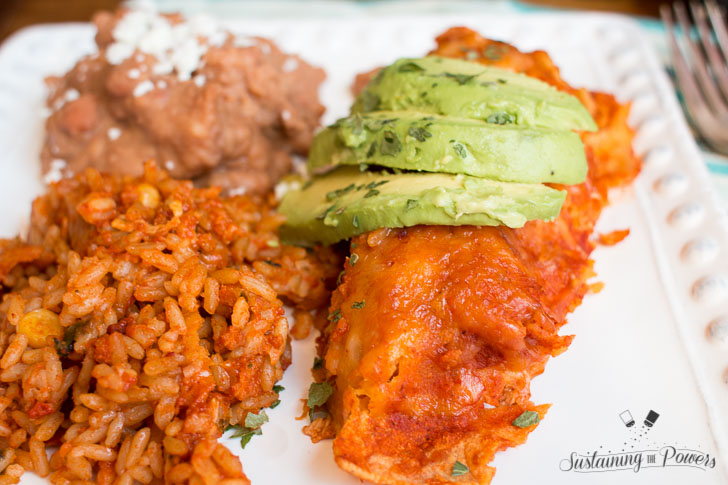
[(643, 343)]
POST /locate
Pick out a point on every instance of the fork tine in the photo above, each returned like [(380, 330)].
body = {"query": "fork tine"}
[(715, 59), (716, 19), (693, 98), (706, 82)]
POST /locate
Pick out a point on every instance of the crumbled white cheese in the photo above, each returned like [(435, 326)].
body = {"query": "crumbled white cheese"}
[(200, 80), (161, 84), (113, 133), (117, 53), (286, 115), (244, 42), (70, 95), (283, 187), (177, 47), (236, 191), (186, 58), (143, 88), (163, 68), (133, 73), (55, 172), (169, 165), (218, 39), (290, 64), (132, 26)]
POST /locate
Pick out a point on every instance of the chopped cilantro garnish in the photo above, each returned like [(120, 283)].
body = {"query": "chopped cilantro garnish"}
[(335, 316), (245, 434), (390, 144), (65, 346), (460, 149), (278, 388), (526, 419), (459, 469), (358, 304), (275, 404), (371, 193), (411, 204), (353, 259), (410, 67), (318, 362), (501, 118), (325, 213), (339, 192), (419, 133), (461, 78), (494, 52), (253, 421), (372, 150), (319, 393), (370, 101)]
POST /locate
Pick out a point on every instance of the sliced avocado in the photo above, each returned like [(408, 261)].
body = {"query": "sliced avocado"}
[(432, 143), (470, 90), (348, 202)]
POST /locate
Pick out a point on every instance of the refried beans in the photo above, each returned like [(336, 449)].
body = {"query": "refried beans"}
[(225, 110)]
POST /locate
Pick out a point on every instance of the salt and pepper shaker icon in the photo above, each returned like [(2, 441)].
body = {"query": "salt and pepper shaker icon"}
[(627, 418), (651, 418)]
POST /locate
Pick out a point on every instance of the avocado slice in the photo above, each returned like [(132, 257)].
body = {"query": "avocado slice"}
[(347, 202), (433, 143), (470, 90)]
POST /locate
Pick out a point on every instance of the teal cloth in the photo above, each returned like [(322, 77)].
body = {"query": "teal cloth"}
[(717, 164)]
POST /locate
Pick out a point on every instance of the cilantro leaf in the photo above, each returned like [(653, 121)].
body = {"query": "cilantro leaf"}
[(390, 143), (319, 393), (500, 118), (254, 421), (461, 150), (410, 67), (419, 133), (459, 469), (526, 419)]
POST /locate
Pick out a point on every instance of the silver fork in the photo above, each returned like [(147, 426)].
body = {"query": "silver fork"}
[(703, 81)]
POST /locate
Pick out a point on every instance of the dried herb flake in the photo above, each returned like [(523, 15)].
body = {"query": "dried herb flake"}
[(419, 133), (500, 118), (391, 145), (461, 78), (371, 193), (461, 150), (253, 421), (459, 469), (319, 393), (410, 67), (526, 419)]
